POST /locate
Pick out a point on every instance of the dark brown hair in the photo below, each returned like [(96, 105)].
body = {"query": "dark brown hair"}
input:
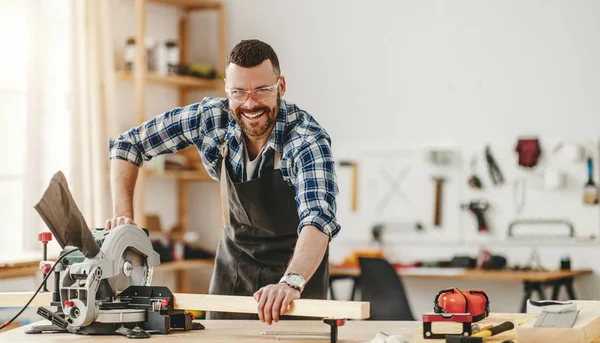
[(252, 52)]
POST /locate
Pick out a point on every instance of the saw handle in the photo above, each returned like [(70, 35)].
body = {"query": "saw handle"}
[(45, 237), (507, 325)]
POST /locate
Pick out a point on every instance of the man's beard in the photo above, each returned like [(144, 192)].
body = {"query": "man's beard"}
[(259, 128)]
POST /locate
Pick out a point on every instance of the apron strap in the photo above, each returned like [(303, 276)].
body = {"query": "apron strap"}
[(224, 185), (276, 160)]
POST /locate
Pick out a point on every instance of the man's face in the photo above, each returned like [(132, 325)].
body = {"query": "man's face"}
[(254, 112)]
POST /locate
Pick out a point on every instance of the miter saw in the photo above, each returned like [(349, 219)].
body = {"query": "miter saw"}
[(102, 279)]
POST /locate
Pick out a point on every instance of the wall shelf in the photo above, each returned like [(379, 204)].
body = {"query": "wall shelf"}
[(184, 175), (140, 77), (30, 269), (187, 82), (185, 265), (192, 4)]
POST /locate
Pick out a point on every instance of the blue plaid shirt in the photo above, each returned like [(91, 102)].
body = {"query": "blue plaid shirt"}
[(306, 160)]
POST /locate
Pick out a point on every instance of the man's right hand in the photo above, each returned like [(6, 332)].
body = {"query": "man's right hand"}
[(116, 221)]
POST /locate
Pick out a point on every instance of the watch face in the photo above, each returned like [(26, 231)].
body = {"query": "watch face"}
[(295, 280)]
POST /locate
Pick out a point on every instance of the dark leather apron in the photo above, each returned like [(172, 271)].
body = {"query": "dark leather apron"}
[(258, 237)]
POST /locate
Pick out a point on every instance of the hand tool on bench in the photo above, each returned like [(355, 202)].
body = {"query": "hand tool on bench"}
[(476, 328), (478, 337), (102, 282), (553, 314), (494, 330)]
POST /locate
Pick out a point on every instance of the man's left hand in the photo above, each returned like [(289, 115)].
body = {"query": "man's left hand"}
[(274, 300)]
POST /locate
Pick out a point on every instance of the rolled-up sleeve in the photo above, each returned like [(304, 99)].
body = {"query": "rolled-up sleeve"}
[(316, 185), (166, 133)]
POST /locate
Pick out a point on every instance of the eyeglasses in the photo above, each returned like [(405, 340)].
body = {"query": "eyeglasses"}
[(260, 94)]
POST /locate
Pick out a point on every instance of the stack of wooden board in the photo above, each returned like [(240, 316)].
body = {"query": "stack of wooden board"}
[(585, 329)]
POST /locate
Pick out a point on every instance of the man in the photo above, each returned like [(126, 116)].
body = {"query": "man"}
[(277, 176)]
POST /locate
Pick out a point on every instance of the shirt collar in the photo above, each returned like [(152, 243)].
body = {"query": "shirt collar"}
[(276, 139)]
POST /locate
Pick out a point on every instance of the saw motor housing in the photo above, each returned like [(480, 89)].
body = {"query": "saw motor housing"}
[(80, 281)]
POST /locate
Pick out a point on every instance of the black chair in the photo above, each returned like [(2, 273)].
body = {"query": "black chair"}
[(382, 287)]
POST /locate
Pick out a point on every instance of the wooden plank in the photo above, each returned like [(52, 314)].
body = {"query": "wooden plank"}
[(139, 75), (184, 50), (140, 64), (585, 329), (222, 44), (300, 307), (182, 205), (183, 97), (183, 216), (184, 37), (224, 303)]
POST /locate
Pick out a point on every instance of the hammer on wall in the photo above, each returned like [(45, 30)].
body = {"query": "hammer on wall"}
[(437, 215), (354, 167)]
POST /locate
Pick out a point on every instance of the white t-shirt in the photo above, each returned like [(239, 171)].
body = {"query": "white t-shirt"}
[(252, 166)]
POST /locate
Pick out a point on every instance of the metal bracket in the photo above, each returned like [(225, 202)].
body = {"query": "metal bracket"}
[(334, 323)]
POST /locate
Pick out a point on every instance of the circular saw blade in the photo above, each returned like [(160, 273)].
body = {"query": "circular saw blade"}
[(137, 276)]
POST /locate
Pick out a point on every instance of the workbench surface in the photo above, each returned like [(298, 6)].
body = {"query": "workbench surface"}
[(250, 331)]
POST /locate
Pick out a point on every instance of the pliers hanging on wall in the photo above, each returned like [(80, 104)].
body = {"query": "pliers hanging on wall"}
[(495, 173)]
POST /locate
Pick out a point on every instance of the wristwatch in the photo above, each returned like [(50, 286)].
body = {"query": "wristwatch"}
[(294, 280)]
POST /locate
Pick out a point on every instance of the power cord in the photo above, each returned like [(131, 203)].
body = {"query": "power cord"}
[(38, 290)]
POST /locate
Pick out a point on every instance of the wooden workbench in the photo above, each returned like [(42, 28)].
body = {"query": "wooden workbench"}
[(471, 274), (243, 331), (532, 280)]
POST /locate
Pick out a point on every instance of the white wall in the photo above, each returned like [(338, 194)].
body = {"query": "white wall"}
[(451, 73), (408, 73)]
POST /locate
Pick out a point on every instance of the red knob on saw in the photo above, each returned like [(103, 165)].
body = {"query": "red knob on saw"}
[(45, 237), (164, 302), (45, 268)]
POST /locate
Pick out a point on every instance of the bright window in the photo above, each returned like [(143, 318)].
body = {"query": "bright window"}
[(14, 35), (36, 74)]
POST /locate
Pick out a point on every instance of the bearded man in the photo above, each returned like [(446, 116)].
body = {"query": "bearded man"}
[(278, 183)]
